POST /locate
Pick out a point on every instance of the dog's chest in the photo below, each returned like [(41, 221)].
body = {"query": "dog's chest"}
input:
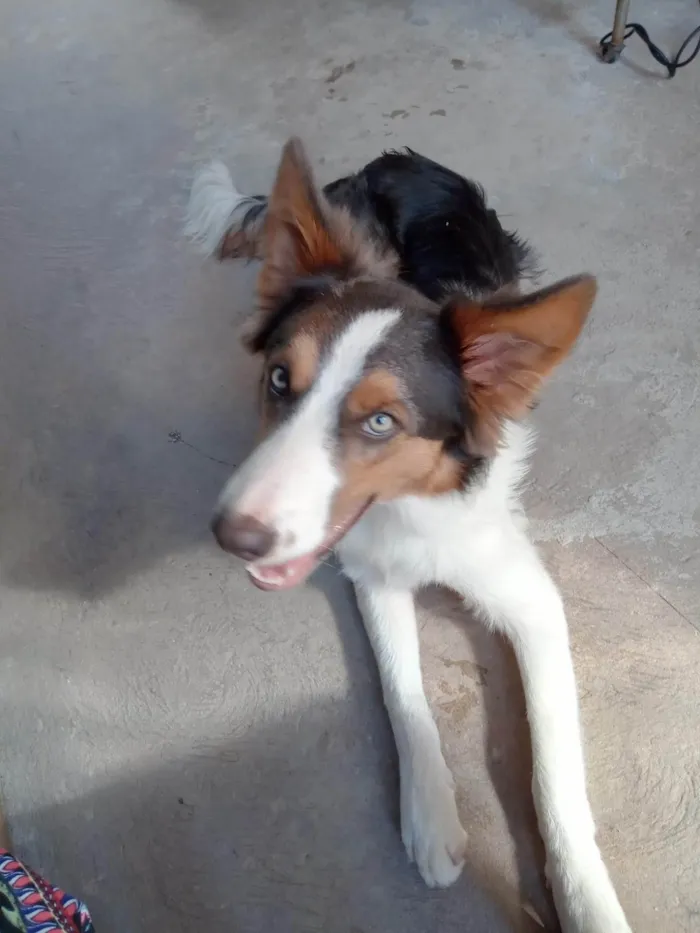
[(407, 543)]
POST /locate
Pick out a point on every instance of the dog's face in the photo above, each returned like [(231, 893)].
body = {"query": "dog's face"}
[(369, 392)]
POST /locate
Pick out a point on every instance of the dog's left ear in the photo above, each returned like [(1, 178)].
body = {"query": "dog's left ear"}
[(508, 348), (298, 240)]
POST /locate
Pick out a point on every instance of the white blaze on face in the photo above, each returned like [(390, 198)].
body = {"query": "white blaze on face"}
[(289, 481)]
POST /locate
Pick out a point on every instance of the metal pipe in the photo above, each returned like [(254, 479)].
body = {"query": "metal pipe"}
[(611, 48), (618, 33)]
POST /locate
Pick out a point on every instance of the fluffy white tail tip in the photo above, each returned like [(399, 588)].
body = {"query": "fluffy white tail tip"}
[(214, 208)]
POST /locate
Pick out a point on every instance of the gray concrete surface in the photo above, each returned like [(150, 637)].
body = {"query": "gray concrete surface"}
[(186, 752)]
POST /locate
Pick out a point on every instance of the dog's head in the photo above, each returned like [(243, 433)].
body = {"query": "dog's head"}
[(369, 391)]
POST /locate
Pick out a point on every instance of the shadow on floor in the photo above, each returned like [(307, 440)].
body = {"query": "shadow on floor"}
[(290, 825), (285, 829), (111, 463), (507, 748)]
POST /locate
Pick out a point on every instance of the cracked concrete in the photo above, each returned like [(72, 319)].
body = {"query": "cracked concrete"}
[(185, 752)]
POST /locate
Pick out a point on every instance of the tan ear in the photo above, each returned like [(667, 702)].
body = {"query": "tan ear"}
[(298, 239), (507, 348)]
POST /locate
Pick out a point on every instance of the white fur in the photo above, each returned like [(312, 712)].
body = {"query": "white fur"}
[(289, 481), (475, 543), (430, 826), (215, 207)]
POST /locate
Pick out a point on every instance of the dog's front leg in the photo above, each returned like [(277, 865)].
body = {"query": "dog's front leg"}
[(509, 583), (430, 826)]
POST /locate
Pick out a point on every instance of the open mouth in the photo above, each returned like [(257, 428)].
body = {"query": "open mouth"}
[(293, 572)]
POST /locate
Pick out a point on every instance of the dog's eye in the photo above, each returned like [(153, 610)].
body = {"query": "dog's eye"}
[(381, 424), (279, 380)]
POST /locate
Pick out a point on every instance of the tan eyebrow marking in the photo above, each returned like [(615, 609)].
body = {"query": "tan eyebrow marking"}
[(302, 357), (379, 390)]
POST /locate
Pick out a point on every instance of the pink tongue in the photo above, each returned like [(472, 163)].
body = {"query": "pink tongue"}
[(284, 576)]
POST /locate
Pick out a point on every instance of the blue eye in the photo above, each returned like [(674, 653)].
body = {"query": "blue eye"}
[(380, 424)]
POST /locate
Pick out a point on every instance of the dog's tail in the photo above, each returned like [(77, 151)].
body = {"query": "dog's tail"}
[(221, 221)]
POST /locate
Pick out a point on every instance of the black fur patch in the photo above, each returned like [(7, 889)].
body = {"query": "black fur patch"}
[(437, 221)]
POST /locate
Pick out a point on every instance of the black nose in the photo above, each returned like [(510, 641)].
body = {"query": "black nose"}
[(243, 536)]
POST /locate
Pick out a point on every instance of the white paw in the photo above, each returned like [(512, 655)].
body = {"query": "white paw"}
[(430, 826)]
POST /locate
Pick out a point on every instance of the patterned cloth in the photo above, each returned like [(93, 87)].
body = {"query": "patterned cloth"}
[(28, 904)]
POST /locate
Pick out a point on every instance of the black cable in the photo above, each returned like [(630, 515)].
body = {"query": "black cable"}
[(671, 64)]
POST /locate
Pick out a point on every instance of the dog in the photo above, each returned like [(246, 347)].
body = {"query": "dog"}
[(400, 360)]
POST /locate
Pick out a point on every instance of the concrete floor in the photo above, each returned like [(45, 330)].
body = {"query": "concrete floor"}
[(184, 751)]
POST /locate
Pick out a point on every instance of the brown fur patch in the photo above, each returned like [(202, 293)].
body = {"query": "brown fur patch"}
[(302, 357), (508, 347), (403, 466)]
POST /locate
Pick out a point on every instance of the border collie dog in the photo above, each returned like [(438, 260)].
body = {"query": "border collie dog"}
[(399, 359)]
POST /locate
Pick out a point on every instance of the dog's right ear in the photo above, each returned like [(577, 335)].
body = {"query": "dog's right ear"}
[(305, 238)]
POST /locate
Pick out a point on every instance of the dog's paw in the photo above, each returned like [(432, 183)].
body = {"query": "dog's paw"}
[(432, 833)]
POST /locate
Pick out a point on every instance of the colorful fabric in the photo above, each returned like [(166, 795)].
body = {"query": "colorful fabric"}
[(28, 904)]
